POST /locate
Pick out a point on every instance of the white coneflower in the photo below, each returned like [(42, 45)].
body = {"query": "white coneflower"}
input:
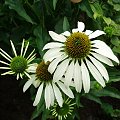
[(19, 64), (44, 81), (63, 112), (75, 54)]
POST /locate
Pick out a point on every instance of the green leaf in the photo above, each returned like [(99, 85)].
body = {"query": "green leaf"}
[(107, 107), (18, 7), (93, 98), (54, 3), (85, 6), (42, 38), (107, 20), (107, 91), (65, 24), (97, 9)]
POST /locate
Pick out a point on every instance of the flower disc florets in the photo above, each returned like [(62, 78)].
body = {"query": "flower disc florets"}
[(42, 72), (18, 64), (77, 45)]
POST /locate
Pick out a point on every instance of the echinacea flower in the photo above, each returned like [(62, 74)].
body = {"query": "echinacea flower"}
[(74, 55), (43, 80), (19, 64), (65, 111)]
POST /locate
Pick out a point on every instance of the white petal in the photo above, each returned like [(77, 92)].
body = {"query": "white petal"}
[(57, 37), (30, 54), (32, 68), (69, 74), (5, 54), (102, 59), (66, 33), (53, 45), (51, 52), (55, 62), (36, 83), (95, 73), (100, 67), (58, 95), (7, 58), (85, 77), (13, 47), (47, 96), (104, 50), (7, 68), (75, 30), (88, 32), (27, 74), (81, 26), (77, 77), (38, 95), (65, 89), (22, 47), (18, 76), (28, 84), (52, 94), (25, 49), (96, 34), (60, 70), (8, 72)]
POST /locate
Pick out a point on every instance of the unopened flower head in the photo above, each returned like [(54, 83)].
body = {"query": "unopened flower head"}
[(43, 80), (19, 64), (74, 55), (65, 111)]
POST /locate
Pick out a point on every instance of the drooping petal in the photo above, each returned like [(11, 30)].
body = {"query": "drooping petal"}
[(69, 74), (85, 77), (104, 50), (88, 32), (52, 95), (27, 74), (36, 83), (57, 37), (102, 59), (50, 53), (81, 26), (95, 73), (32, 68), (13, 47), (77, 77), (60, 70), (65, 89), (47, 96), (55, 62), (58, 95), (100, 67), (96, 34), (53, 45), (66, 33), (28, 84), (38, 95)]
